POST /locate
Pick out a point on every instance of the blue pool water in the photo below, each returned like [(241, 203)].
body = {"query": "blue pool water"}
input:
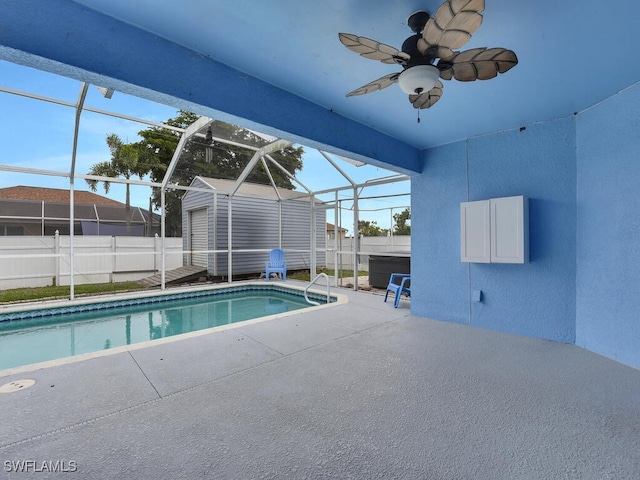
[(40, 335)]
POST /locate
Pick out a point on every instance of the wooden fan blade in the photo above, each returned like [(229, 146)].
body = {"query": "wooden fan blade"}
[(427, 99), (379, 84), (372, 49), (453, 24), (477, 64)]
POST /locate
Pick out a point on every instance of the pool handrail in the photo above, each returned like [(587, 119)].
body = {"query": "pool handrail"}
[(314, 281)]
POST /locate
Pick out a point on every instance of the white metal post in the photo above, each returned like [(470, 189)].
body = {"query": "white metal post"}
[(95, 209), (163, 226), (215, 233), (71, 237), (114, 251), (280, 218), (188, 133), (155, 252), (391, 229), (336, 242), (57, 259), (339, 267), (356, 238), (229, 241), (312, 239), (81, 97)]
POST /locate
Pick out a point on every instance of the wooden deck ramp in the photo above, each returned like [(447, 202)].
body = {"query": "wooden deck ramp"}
[(185, 273)]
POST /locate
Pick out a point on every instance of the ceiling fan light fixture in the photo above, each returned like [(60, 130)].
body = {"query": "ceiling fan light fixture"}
[(436, 41), (418, 79)]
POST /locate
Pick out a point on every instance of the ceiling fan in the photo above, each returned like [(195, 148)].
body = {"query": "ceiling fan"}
[(430, 53)]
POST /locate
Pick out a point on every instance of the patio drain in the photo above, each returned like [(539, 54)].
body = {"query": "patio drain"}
[(17, 385)]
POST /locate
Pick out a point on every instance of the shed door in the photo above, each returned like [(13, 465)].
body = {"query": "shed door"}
[(198, 233)]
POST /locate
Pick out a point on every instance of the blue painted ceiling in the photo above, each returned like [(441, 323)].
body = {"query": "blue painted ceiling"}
[(572, 54)]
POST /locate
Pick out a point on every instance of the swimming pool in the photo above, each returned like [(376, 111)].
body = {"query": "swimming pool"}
[(44, 334)]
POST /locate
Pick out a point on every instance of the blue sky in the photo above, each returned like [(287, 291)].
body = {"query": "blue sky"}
[(39, 135)]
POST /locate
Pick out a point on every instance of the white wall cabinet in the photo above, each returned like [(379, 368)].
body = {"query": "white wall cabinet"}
[(495, 230), (475, 231)]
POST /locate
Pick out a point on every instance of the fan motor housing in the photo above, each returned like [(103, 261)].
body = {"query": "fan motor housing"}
[(418, 20), (410, 47)]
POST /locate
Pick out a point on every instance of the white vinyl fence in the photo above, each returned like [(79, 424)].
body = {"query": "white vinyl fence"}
[(397, 245), (41, 261)]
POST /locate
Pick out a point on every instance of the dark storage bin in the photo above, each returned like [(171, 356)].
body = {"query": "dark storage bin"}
[(382, 266)]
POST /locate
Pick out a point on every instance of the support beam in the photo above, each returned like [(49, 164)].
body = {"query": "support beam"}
[(229, 239), (271, 180), (266, 150), (163, 226), (337, 167), (72, 206), (286, 172), (356, 238), (188, 133), (89, 109), (34, 171)]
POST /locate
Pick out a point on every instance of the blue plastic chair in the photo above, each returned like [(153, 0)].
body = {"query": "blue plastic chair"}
[(276, 264), (404, 286)]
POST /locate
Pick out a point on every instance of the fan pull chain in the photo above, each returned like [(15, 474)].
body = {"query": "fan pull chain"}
[(418, 115)]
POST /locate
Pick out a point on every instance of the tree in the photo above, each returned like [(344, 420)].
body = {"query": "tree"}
[(123, 163), (158, 145), (371, 229), (152, 155), (401, 219)]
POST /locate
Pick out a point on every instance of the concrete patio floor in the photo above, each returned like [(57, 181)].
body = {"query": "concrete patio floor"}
[(358, 391)]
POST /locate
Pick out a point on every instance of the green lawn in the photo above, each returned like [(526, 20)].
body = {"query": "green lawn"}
[(306, 277), (42, 293), (48, 293)]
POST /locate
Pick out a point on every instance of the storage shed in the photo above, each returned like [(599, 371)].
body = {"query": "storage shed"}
[(261, 219)]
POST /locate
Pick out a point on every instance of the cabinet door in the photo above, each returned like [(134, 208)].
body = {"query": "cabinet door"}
[(475, 232), (509, 230)]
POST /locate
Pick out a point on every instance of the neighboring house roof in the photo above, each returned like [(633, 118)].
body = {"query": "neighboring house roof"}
[(331, 227), (26, 203), (248, 189), (57, 195)]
